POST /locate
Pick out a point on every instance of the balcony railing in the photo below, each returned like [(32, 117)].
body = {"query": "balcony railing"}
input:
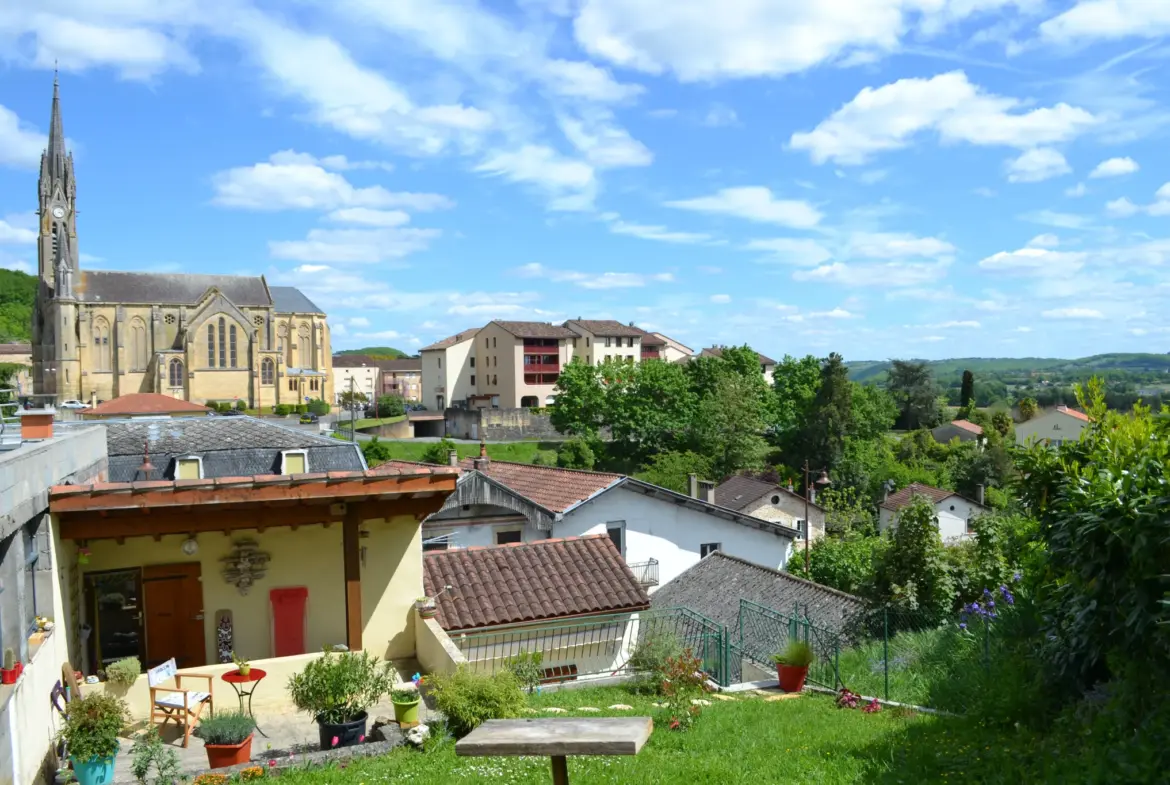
[(646, 572), (542, 367)]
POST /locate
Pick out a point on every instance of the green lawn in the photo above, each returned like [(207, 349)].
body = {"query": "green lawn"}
[(518, 452), (749, 740), (370, 422)]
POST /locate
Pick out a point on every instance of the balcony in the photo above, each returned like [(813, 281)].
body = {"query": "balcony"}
[(650, 354), (542, 367), (646, 572)]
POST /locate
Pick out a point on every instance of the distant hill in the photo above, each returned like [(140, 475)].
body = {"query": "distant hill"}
[(17, 293), (378, 352), (875, 371)]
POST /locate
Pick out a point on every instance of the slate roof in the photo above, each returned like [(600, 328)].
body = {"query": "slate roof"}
[(145, 403), (548, 486), (900, 499), (107, 286), (451, 340), (715, 585), (230, 446), (404, 365), (535, 329), (738, 492), (532, 581), (609, 327), (289, 299), (717, 351)]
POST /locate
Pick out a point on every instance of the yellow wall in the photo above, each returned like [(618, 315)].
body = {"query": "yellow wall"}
[(436, 652), (392, 580)]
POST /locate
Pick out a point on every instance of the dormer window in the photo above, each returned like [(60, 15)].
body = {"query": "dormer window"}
[(294, 462), (189, 467)]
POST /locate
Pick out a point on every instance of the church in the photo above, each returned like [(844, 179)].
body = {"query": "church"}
[(99, 334)]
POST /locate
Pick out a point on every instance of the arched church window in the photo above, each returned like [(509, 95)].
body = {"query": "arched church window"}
[(101, 344), (267, 371), (222, 342), (175, 372), (232, 344), (304, 348), (139, 353), (211, 346)]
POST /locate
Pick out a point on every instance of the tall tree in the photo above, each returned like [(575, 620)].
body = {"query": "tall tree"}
[(1027, 408), (729, 427), (649, 407), (874, 411), (967, 391), (794, 384), (831, 416), (916, 394), (580, 407), (912, 573)]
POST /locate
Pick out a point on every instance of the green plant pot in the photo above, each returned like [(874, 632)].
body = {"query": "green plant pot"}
[(406, 714), (245, 670), (95, 771)]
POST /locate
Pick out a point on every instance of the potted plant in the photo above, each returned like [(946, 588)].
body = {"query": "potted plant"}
[(337, 689), (406, 697), (792, 665), (90, 733), (9, 672), (227, 737), (242, 665), (124, 672), (425, 607)]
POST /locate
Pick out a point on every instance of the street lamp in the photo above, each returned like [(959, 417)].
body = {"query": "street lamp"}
[(822, 481)]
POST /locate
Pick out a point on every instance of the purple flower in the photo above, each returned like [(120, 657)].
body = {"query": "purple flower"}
[(1016, 576), (962, 625), (987, 593), (991, 604)]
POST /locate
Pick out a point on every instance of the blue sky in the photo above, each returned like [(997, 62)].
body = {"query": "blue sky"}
[(881, 178)]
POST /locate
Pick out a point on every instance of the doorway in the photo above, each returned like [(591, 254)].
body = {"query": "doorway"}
[(114, 600)]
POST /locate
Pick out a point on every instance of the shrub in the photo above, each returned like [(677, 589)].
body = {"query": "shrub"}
[(797, 654), (376, 452), (469, 699), (338, 687), (437, 452), (226, 727), (124, 672), (391, 406), (319, 407), (282, 410), (241, 405), (525, 666), (682, 682), (651, 659), (92, 726), (576, 453), (302, 408), (148, 753)]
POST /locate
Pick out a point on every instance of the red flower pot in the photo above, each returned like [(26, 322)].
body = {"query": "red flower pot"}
[(8, 676), (221, 755), (791, 677)]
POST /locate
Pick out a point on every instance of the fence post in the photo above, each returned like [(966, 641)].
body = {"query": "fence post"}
[(886, 648), (836, 660)]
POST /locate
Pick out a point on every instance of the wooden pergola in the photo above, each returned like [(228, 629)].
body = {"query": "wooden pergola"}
[(155, 508)]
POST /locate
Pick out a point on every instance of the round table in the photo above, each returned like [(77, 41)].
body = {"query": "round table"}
[(238, 682)]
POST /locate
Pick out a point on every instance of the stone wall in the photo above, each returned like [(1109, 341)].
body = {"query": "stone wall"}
[(500, 425)]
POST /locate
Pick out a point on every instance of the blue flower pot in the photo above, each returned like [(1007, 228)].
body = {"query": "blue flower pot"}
[(95, 771)]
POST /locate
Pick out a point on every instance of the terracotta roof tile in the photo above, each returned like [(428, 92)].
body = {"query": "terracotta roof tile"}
[(967, 425), (717, 351), (610, 327), (532, 581), (146, 403), (900, 499), (552, 488), (535, 329), (1074, 413), (451, 340)]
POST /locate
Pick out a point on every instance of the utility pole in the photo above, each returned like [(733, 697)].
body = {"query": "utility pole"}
[(823, 480), (352, 412)]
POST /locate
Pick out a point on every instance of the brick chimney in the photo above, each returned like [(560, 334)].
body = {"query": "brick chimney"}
[(483, 461), (707, 491), (693, 486), (452, 458), (36, 424)]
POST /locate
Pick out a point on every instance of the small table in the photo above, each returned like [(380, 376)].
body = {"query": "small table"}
[(558, 737), (237, 680)]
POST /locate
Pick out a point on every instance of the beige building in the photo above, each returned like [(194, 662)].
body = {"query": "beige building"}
[(448, 370), (601, 340), (518, 363), (402, 377), (101, 334), (770, 502), (767, 364), (358, 373), (672, 350)]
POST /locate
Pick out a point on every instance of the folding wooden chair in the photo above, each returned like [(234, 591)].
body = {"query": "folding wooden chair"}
[(179, 705)]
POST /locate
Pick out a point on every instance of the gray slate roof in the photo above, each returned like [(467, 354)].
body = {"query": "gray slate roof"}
[(609, 327), (229, 446), (289, 299), (715, 585), (535, 329), (107, 286), (738, 492)]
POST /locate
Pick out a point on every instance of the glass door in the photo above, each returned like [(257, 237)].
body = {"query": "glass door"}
[(114, 600)]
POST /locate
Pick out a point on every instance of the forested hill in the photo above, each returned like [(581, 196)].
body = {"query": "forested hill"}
[(378, 352), (874, 371), (17, 293)]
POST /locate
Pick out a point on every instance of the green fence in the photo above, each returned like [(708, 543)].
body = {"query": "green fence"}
[(762, 632)]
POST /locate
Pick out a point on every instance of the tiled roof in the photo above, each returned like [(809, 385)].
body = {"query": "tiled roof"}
[(1074, 413), (289, 299), (403, 365), (967, 425), (900, 499), (535, 329), (451, 340), (738, 492), (108, 286), (650, 339), (146, 403), (353, 361), (717, 351), (552, 488), (531, 581), (609, 327)]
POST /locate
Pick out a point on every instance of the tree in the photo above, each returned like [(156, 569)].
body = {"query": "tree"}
[(438, 452), (913, 388), (1001, 421), (913, 574), (352, 399), (576, 453), (874, 411), (794, 386), (649, 407), (843, 563), (672, 470), (831, 417), (729, 427), (580, 406), (377, 452), (1027, 408), (391, 406), (967, 391)]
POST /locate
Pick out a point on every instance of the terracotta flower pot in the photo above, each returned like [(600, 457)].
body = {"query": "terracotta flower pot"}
[(426, 611), (8, 676), (791, 677), (222, 755)]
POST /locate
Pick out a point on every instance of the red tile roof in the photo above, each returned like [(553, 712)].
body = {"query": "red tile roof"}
[(535, 329), (1074, 413), (451, 340), (967, 425), (146, 403), (530, 581), (609, 327), (900, 499), (552, 488)]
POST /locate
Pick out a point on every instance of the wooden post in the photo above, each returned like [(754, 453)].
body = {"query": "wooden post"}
[(351, 551), (560, 770)]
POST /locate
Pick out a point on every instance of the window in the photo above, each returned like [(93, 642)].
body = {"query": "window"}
[(190, 468), (800, 526), (222, 346), (304, 349), (440, 359), (473, 379), (267, 371), (776, 499), (292, 385), (617, 533), (211, 346), (631, 342), (138, 347), (509, 536), (495, 361), (472, 362), (175, 372), (232, 345), (607, 341), (587, 342), (101, 345), (294, 462), (495, 380), (493, 342), (574, 343), (487, 343), (709, 547)]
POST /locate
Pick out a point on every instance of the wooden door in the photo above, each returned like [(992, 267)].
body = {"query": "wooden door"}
[(174, 614)]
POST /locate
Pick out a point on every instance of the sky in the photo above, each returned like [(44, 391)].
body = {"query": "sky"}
[(879, 178)]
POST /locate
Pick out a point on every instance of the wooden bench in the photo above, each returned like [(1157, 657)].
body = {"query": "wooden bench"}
[(558, 737)]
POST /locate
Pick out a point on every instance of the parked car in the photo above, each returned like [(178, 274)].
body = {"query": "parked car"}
[(232, 413), (74, 405), (308, 418)]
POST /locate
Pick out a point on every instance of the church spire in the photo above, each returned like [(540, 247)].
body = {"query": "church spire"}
[(57, 192), (56, 151)]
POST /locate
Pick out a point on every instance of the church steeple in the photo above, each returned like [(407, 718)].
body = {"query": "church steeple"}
[(56, 151), (56, 193)]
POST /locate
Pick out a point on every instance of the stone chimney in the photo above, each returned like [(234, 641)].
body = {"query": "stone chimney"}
[(979, 493), (452, 458), (36, 424), (707, 491), (693, 486), (483, 461)]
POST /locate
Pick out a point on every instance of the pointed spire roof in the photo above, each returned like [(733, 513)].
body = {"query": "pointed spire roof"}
[(56, 151)]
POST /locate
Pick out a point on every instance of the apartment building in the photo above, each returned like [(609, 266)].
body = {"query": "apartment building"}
[(672, 350), (402, 378), (518, 363), (448, 371), (598, 340), (355, 372)]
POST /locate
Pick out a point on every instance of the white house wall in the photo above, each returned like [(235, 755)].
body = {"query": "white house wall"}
[(952, 515), (1055, 427)]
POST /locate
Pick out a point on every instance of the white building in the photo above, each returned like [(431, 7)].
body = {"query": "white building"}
[(448, 370), (352, 372), (771, 502), (953, 512), (1055, 427)]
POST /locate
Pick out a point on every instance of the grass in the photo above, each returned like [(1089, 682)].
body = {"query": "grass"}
[(370, 422), (517, 452)]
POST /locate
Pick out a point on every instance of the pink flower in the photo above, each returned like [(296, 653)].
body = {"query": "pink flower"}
[(335, 741), (271, 764), (361, 738)]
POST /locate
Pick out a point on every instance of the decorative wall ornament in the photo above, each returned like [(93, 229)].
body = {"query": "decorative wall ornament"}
[(245, 565)]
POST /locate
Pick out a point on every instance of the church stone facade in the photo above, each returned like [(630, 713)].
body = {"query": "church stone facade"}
[(205, 338)]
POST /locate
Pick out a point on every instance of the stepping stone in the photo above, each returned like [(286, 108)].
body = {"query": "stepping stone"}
[(587, 708), (532, 711), (658, 705), (555, 710), (723, 697), (699, 702), (782, 697), (621, 707)]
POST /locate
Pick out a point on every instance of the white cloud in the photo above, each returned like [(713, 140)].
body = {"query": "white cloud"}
[(339, 329), (1057, 219), (890, 275), (836, 313), (593, 280), (1023, 329), (660, 233), (603, 144), (792, 250), (1114, 167), (931, 338), (891, 245), (968, 324), (985, 192), (367, 216), (359, 321), (577, 79), (353, 245), (1121, 208), (19, 265), (337, 163), (1076, 191), (1108, 19), (20, 146), (892, 116), (1072, 313), (1044, 241), (1034, 260), (17, 229), (754, 203), (1037, 165), (721, 299), (1163, 192), (570, 184), (719, 115)]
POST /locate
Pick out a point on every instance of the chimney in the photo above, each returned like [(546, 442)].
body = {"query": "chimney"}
[(483, 461), (707, 491), (693, 486), (979, 491), (812, 494), (36, 424), (452, 458), (886, 489), (791, 486)]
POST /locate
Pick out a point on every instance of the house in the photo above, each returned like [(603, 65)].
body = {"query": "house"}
[(402, 377), (653, 346), (194, 448), (448, 370), (659, 532), (770, 502), (953, 512), (145, 405), (606, 339), (1054, 427), (963, 430), (519, 363), (571, 599), (767, 364), (672, 350), (356, 373)]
